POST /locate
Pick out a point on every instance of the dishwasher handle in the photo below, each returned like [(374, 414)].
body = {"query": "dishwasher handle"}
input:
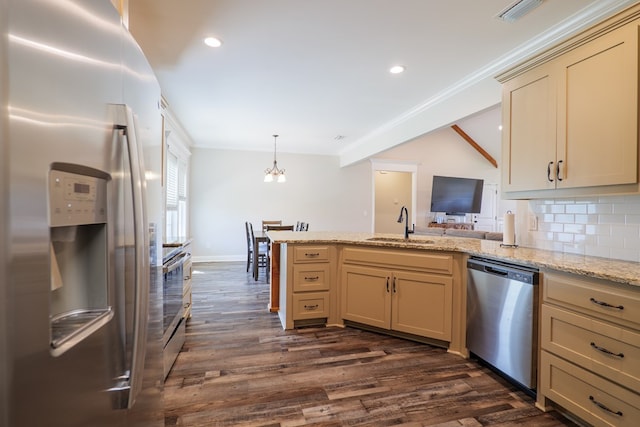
[(519, 273), (495, 271), (487, 267)]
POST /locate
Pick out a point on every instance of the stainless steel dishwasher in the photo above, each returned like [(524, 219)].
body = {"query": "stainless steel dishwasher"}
[(502, 317)]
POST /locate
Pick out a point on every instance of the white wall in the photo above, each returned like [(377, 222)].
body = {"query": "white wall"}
[(444, 152), (227, 189)]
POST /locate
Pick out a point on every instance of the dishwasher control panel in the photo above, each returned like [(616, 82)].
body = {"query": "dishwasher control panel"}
[(519, 273)]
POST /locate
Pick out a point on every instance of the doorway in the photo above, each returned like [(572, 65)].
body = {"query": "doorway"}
[(394, 186)]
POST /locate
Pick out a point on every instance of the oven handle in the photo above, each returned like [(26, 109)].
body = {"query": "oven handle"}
[(176, 262)]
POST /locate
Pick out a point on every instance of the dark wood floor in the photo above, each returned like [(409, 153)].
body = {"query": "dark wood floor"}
[(239, 368)]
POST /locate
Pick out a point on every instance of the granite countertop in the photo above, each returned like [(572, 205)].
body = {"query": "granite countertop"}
[(625, 272)]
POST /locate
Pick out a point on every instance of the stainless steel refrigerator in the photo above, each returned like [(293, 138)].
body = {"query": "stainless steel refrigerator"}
[(80, 290)]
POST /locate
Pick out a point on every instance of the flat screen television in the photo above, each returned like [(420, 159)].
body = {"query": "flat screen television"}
[(456, 196)]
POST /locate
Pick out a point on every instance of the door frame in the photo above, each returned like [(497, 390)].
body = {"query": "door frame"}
[(394, 166)]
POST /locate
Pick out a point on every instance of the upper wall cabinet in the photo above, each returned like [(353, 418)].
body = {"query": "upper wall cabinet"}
[(570, 120)]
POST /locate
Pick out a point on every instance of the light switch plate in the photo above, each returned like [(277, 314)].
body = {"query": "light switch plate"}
[(533, 222)]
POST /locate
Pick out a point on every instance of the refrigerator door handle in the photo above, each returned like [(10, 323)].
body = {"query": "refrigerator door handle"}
[(131, 380)]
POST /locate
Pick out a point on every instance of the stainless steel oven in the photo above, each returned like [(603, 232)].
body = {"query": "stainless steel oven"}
[(173, 322)]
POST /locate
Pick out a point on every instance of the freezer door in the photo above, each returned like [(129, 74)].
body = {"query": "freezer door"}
[(64, 66)]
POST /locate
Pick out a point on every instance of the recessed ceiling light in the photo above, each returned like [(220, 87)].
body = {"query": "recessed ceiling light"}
[(213, 42), (397, 69)]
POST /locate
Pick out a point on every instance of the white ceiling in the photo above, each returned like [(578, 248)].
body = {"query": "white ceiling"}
[(310, 70)]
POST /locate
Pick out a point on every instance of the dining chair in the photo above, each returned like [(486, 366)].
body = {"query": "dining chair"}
[(249, 244), (267, 222), (279, 227), (262, 252)]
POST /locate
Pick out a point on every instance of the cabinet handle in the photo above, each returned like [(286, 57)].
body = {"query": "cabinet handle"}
[(311, 307), (394, 285), (549, 172), (387, 285), (312, 254), (311, 279), (558, 170), (602, 406), (606, 304), (605, 351)]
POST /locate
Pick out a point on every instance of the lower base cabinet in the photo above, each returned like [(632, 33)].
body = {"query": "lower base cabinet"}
[(413, 302), (590, 359), (594, 399)]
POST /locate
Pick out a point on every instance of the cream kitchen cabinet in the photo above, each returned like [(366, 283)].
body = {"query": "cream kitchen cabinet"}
[(308, 295), (529, 130), (571, 123), (590, 359), (404, 291)]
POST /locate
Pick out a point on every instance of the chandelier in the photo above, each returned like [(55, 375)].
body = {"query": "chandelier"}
[(274, 172)]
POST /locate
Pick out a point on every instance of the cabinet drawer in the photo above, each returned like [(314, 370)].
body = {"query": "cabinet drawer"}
[(598, 298), (608, 350), (436, 262), (590, 397), (310, 305), (311, 254), (311, 277)]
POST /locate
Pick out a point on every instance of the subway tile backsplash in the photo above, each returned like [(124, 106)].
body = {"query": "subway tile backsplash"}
[(607, 226)]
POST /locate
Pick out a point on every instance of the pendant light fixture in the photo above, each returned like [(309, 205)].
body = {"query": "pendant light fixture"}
[(274, 172)]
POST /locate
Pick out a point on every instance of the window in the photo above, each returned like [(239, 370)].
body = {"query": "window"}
[(176, 212)]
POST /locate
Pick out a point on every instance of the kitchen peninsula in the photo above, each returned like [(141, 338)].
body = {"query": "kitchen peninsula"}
[(333, 245), (588, 307)]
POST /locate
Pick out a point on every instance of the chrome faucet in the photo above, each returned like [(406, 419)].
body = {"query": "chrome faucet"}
[(406, 221)]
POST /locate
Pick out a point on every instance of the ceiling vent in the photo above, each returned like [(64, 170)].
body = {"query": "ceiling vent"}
[(518, 9)]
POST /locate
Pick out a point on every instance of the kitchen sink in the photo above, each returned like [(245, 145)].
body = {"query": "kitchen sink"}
[(400, 240)]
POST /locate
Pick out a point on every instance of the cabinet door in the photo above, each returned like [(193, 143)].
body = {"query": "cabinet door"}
[(366, 295), (421, 304), (598, 112), (529, 131)]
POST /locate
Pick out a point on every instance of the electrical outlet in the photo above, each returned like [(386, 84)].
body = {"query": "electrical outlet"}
[(533, 222)]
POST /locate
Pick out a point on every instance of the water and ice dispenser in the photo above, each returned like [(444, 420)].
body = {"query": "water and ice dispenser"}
[(79, 251)]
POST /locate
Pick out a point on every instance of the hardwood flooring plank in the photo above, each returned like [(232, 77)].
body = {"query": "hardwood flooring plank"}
[(239, 368)]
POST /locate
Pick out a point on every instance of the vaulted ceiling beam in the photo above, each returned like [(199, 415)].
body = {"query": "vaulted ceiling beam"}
[(475, 145)]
